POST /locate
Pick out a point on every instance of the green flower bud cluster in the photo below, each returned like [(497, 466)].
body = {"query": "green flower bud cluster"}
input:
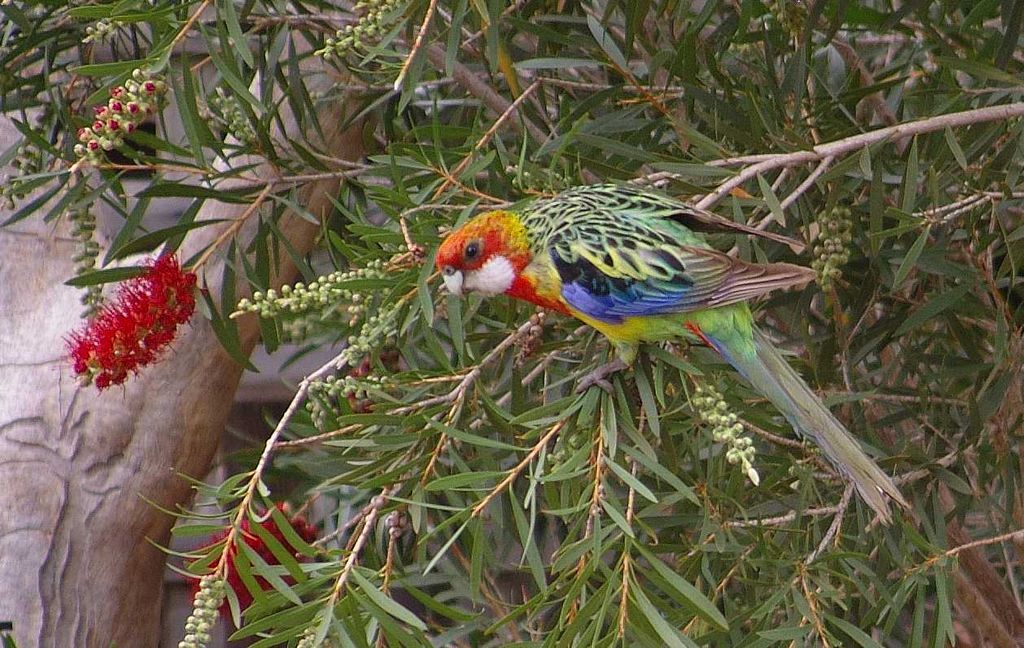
[(326, 393), (832, 251), (29, 160), (234, 118), (321, 409), (297, 329), (325, 291), (212, 590), (356, 388), (308, 639), (532, 178), (376, 330), (565, 447), (379, 16), (712, 410), (83, 229), (102, 31)]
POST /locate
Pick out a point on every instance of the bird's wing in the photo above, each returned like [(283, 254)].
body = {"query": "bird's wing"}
[(634, 271), (629, 201), (701, 220)]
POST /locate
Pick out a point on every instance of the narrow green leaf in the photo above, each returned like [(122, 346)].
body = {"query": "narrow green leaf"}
[(910, 180), (618, 518), (255, 565), (865, 161), (384, 602), (105, 276), (153, 239), (933, 307), (954, 148), (687, 593), (630, 480), (226, 12), (607, 43), (647, 400), (556, 63), (672, 637), (861, 638), (910, 260), (478, 480), (771, 200)]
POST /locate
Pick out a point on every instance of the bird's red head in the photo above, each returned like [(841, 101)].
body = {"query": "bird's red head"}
[(485, 255)]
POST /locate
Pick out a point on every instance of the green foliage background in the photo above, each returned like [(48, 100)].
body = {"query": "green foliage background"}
[(479, 500)]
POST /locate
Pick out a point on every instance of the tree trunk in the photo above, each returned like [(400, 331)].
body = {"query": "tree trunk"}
[(83, 472)]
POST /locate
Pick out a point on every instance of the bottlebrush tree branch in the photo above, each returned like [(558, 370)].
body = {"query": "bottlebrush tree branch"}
[(857, 142)]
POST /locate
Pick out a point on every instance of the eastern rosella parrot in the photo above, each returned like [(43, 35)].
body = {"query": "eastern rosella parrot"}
[(632, 264)]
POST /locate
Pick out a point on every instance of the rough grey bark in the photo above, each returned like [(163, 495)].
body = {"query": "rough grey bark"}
[(78, 468)]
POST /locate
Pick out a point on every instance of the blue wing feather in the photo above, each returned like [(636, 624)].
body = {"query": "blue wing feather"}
[(611, 299)]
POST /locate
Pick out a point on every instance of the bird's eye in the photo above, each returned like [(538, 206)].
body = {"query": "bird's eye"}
[(472, 250)]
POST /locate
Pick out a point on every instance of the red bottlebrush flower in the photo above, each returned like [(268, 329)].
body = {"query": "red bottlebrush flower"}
[(100, 111), (133, 107), (113, 124), (304, 529), (133, 330), (149, 87), (116, 106), (94, 145), (117, 92)]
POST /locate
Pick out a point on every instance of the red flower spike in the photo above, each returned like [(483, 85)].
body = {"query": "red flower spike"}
[(116, 106), (135, 328), (304, 529)]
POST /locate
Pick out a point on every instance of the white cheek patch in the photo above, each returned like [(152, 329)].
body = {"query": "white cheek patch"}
[(493, 278)]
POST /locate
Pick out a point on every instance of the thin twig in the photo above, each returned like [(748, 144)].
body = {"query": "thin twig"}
[(517, 470), (812, 607), (803, 187), (188, 24), (512, 109), (470, 377), (626, 563), (369, 518), (833, 529), (859, 141), (779, 520), (479, 88), (416, 45), (264, 461), (233, 228), (983, 542)]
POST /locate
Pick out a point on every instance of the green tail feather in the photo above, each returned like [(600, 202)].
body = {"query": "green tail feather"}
[(769, 373)]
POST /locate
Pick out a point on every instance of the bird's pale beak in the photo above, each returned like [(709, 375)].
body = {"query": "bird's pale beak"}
[(452, 280)]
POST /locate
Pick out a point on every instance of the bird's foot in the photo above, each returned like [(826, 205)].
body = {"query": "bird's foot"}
[(599, 376)]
